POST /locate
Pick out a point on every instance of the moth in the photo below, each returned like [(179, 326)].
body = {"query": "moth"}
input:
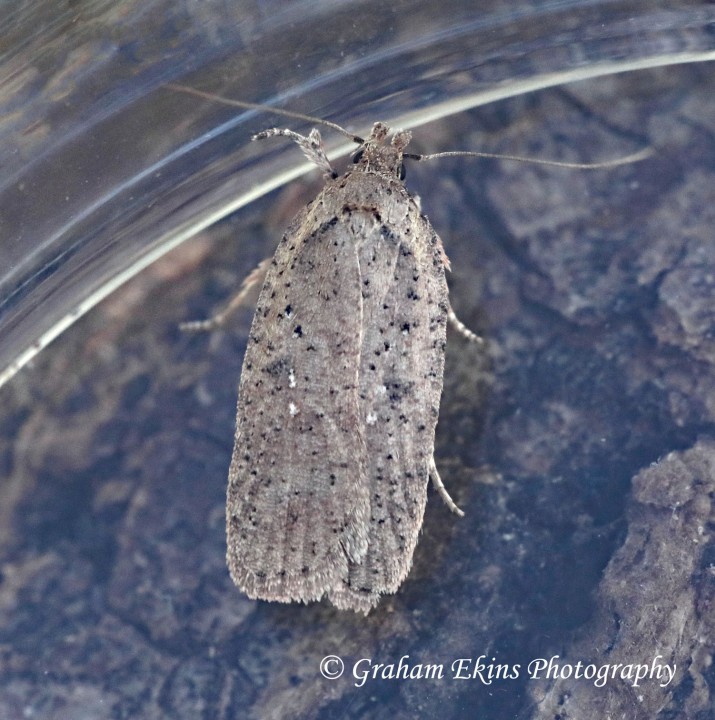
[(341, 383), (339, 393)]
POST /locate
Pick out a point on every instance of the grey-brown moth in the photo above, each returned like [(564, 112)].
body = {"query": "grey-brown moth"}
[(340, 388), (339, 392)]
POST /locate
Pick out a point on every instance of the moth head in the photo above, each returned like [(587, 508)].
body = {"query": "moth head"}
[(377, 156)]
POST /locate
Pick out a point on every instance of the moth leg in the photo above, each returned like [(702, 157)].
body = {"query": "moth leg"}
[(253, 279), (312, 147), (461, 328), (454, 321), (442, 490)]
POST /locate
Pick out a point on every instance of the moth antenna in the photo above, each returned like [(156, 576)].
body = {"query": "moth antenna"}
[(266, 108), (626, 160)]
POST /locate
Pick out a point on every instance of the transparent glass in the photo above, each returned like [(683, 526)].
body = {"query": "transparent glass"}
[(105, 168)]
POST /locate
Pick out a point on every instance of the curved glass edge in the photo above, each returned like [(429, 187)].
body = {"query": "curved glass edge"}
[(176, 196)]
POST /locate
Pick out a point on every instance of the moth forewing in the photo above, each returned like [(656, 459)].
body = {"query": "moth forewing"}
[(401, 368), (296, 509)]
